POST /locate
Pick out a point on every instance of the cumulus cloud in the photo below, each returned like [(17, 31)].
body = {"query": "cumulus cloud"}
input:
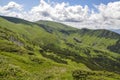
[(106, 16), (11, 9), (60, 12), (10, 6)]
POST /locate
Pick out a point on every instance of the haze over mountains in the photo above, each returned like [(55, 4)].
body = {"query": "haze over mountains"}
[(60, 40), (47, 50), (116, 30)]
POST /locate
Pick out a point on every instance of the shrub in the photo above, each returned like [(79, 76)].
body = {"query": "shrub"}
[(36, 59)]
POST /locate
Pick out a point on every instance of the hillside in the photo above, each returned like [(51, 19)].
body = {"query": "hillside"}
[(46, 50)]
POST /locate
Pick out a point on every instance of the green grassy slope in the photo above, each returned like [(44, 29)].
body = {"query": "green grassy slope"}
[(46, 50)]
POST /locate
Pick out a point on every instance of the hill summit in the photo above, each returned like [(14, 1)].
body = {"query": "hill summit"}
[(46, 50)]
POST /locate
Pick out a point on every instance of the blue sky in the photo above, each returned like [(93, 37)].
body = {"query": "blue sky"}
[(90, 3), (102, 14), (28, 4)]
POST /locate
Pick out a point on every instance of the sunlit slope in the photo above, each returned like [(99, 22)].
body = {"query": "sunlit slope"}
[(49, 50)]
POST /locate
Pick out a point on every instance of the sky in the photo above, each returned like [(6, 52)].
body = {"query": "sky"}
[(93, 14)]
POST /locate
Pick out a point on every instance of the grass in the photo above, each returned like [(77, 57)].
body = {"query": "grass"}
[(46, 50), (27, 67)]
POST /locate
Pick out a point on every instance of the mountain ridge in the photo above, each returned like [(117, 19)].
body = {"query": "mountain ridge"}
[(39, 48), (116, 30)]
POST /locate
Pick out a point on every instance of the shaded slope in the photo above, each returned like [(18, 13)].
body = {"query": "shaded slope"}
[(115, 47), (51, 45), (16, 20), (95, 38), (100, 33)]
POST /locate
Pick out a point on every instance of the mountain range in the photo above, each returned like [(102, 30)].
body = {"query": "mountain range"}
[(47, 50), (116, 30)]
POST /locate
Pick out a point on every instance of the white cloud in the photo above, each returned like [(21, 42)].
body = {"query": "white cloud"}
[(60, 12), (10, 6), (107, 16), (11, 9)]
